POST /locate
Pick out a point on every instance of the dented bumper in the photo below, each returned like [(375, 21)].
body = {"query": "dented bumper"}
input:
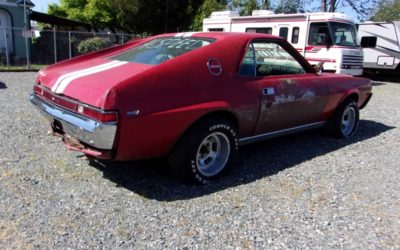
[(90, 132)]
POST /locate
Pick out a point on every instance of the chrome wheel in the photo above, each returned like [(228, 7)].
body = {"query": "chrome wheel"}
[(213, 154), (348, 120)]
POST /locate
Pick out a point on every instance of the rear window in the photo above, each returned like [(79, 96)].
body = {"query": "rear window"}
[(162, 49)]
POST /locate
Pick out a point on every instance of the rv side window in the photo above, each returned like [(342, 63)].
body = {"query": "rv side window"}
[(283, 32), (268, 59), (216, 30), (295, 35), (368, 41), (319, 34), (259, 30)]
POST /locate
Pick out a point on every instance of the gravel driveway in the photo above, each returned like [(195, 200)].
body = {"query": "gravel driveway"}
[(302, 191)]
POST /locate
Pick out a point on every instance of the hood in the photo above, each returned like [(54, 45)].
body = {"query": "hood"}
[(89, 81)]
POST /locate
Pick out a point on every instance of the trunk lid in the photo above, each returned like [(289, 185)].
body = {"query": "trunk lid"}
[(89, 81)]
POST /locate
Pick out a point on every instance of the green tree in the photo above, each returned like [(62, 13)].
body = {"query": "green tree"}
[(96, 12), (245, 7), (289, 6), (136, 16), (204, 11), (387, 10)]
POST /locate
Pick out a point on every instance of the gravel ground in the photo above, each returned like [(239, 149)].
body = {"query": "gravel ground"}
[(302, 191)]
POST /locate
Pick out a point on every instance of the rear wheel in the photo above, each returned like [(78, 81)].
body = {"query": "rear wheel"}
[(204, 153), (344, 122)]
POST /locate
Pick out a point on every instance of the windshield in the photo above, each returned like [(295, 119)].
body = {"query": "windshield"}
[(162, 49), (333, 33), (344, 34)]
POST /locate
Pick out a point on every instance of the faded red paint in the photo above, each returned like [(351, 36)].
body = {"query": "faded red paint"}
[(175, 94)]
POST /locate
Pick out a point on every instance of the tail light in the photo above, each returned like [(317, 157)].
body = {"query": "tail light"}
[(37, 89), (97, 114)]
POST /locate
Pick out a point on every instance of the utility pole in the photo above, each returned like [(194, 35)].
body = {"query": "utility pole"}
[(26, 35)]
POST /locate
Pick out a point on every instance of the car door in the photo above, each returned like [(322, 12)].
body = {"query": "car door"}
[(289, 95)]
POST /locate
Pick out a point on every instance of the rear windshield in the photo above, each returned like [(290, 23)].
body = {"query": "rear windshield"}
[(162, 49)]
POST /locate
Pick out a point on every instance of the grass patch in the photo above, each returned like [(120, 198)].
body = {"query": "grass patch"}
[(22, 68)]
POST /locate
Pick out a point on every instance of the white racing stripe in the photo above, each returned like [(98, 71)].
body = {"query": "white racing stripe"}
[(62, 77), (78, 74)]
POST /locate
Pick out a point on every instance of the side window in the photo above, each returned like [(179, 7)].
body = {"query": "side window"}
[(272, 59), (247, 67), (295, 35), (267, 30), (283, 32), (319, 34)]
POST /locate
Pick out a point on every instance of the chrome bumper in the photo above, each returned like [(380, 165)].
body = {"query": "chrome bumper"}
[(94, 133)]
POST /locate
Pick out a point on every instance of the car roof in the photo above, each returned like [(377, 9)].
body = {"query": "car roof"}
[(222, 35)]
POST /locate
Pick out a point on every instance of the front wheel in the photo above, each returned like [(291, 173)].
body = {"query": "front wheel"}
[(344, 122), (205, 152)]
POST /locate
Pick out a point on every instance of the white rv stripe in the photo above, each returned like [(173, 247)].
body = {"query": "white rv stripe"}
[(179, 34), (62, 77), (68, 80)]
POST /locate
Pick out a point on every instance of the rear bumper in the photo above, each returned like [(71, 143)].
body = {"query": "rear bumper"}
[(93, 133)]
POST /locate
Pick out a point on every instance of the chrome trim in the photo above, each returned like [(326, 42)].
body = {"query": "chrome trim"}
[(66, 99), (94, 133), (251, 139), (212, 67)]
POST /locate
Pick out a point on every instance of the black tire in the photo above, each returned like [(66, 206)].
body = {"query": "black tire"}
[(193, 159), (344, 122)]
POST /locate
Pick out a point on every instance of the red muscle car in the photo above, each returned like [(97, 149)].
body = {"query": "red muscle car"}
[(194, 97)]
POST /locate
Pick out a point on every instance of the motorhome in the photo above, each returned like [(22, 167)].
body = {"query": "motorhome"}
[(320, 37), (383, 41)]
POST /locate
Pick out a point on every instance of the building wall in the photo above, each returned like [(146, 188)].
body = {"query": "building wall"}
[(17, 22)]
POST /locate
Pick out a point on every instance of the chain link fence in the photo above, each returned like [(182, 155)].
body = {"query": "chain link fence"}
[(20, 47)]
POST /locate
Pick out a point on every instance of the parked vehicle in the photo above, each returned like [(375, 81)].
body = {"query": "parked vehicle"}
[(382, 52), (194, 98), (327, 37)]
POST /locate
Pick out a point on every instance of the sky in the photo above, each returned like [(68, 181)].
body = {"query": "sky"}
[(41, 6)]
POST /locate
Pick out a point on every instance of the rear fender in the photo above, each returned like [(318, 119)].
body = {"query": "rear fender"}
[(154, 135)]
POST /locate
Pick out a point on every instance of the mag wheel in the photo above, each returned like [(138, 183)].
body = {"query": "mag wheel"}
[(205, 153), (213, 154), (344, 122)]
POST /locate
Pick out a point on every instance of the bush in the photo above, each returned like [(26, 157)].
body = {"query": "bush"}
[(93, 44)]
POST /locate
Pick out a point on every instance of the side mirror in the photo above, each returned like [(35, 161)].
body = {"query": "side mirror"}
[(368, 41), (319, 67)]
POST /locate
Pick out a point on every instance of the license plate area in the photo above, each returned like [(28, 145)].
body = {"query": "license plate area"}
[(57, 127)]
